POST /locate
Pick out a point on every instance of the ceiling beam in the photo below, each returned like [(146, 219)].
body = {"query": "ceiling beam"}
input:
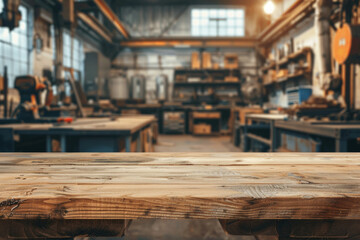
[(294, 15), (94, 25), (111, 16), (190, 43)]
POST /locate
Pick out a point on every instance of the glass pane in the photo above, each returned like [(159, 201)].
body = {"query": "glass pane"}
[(222, 13), (22, 26), (222, 32), (240, 22), (7, 50), (231, 22), (231, 31), (213, 13), (204, 13), (16, 54), (15, 39), (5, 34), (212, 31), (239, 13), (23, 41), (195, 31), (23, 68), (204, 31), (195, 13), (205, 22), (24, 54), (23, 13), (16, 67), (231, 13), (196, 22)]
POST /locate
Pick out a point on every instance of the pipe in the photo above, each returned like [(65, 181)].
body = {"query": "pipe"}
[(323, 10)]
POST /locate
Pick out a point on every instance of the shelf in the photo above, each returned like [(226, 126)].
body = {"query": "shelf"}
[(188, 70), (209, 84), (287, 78), (271, 66), (286, 60), (259, 139)]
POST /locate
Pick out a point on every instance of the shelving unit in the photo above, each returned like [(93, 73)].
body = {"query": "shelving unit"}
[(205, 123), (303, 71), (207, 78)]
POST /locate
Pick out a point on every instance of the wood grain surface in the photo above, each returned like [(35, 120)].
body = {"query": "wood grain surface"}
[(129, 124), (180, 186)]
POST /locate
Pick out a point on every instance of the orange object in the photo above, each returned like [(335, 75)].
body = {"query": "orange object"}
[(65, 120), (346, 44)]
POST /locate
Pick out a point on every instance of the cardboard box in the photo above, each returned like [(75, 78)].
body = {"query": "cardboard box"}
[(231, 79), (231, 61), (282, 73), (1, 83), (195, 60), (206, 60), (202, 129)]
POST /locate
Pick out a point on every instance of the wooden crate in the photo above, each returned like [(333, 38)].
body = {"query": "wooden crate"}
[(1, 83), (147, 140), (206, 60), (202, 129), (243, 111), (231, 79), (231, 61), (195, 60), (282, 73), (206, 115)]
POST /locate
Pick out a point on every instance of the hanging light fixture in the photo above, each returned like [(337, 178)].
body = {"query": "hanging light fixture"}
[(269, 7)]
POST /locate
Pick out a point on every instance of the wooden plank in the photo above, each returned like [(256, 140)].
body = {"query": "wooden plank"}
[(129, 124), (180, 185), (267, 116), (206, 115)]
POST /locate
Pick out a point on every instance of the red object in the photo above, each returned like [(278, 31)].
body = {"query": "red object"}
[(65, 120)]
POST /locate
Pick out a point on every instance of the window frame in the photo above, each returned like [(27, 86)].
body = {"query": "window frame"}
[(217, 7), (16, 47)]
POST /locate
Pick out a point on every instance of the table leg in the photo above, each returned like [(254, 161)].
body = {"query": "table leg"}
[(128, 144), (139, 141), (63, 143), (245, 144), (48, 143), (341, 145), (273, 137)]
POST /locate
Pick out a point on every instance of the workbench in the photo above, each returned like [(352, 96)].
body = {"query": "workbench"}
[(333, 136), (260, 128), (125, 133), (154, 109), (209, 119), (63, 195), (237, 119)]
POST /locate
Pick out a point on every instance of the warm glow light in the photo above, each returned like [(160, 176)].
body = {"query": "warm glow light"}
[(269, 7)]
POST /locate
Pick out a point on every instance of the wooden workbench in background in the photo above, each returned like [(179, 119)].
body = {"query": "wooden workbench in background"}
[(125, 133), (83, 188)]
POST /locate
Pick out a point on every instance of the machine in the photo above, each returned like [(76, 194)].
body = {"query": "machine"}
[(31, 89), (10, 15)]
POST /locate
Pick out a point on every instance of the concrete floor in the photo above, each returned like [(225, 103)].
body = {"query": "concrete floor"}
[(184, 229)]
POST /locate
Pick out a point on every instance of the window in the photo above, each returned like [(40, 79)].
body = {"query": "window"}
[(76, 59), (15, 48), (218, 22)]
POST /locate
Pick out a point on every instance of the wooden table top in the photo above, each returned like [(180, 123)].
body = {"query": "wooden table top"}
[(266, 116), (180, 185), (129, 124)]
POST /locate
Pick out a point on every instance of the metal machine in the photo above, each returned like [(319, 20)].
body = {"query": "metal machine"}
[(162, 86), (30, 89), (138, 88), (10, 15)]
